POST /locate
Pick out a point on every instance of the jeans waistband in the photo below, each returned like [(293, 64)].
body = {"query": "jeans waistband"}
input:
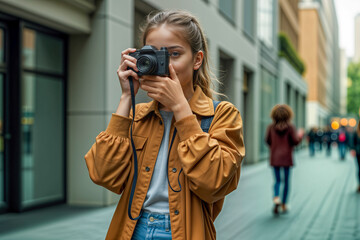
[(155, 220)]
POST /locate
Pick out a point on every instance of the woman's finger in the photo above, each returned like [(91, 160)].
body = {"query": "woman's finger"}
[(173, 75), (127, 63), (129, 73), (125, 53), (148, 88)]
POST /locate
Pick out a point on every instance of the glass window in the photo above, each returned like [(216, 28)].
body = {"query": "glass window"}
[(268, 100), (2, 46), (42, 139), (42, 52), (42, 119), (266, 21), (249, 20), (227, 8)]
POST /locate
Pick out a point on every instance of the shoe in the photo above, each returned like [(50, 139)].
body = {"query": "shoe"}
[(276, 209), (284, 208), (277, 203), (358, 190)]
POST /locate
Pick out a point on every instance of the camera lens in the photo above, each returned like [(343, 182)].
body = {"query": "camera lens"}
[(146, 64)]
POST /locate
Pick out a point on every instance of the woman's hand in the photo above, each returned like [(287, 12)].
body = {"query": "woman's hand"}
[(124, 73), (168, 92), (301, 133)]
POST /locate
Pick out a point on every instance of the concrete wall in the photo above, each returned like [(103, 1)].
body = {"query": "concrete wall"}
[(94, 92)]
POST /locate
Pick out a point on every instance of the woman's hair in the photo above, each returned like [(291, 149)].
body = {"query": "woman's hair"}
[(358, 128), (281, 114), (193, 34)]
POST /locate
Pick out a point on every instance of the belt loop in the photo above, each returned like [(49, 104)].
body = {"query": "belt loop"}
[(167, 228)]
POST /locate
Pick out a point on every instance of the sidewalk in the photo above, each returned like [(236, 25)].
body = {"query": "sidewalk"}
[(323, 205)]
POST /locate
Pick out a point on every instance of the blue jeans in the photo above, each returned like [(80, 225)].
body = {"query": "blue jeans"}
[(278, 181), (152, 226), (342, 150), (312, 148)]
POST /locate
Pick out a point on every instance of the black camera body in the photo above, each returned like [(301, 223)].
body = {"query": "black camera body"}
[(151, 61)]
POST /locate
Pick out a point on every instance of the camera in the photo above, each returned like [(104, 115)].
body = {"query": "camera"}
[(151, 61)]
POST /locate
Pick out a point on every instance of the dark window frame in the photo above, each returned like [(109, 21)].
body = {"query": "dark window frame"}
[(13, 115)]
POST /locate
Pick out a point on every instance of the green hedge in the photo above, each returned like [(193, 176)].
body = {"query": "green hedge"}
[(287, 51)]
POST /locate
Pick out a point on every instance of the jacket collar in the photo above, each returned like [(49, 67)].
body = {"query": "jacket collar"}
[(200, 104)]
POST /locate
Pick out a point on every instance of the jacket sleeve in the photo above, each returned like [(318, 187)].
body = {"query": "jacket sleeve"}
[(268, 136), (211, 161), (109, 159)]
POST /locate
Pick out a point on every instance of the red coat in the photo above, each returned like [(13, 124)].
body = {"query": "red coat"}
[(281, 140)]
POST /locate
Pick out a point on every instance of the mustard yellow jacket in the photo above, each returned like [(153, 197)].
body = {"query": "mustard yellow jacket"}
[(211, 165)]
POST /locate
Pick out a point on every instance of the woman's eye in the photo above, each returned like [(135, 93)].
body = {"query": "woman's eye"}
[(174, 54)]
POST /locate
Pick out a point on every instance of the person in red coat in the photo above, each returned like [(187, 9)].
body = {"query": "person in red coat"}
[(282, 137)]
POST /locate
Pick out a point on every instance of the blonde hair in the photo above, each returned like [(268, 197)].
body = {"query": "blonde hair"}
[(281, 114), (193, 34)]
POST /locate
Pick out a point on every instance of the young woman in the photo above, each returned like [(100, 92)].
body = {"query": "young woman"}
[(181, 186), (356, 151), (282, 137)]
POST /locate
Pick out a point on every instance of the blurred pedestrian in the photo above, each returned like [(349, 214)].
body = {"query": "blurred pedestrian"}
[(281, 137), (327, 140), (311, 137), (342, 142), (356, 151), (319, 138)]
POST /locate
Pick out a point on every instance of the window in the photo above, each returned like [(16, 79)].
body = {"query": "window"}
[(266, 22), (268, 100), (42, 118), (226, 75), (249, 17), (227, 9)]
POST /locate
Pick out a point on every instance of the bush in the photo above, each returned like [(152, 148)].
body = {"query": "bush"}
[(287, 51)]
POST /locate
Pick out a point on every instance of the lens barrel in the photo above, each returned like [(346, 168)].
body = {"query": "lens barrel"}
[(147, 64)]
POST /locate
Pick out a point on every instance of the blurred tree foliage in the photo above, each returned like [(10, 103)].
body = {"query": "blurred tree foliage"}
[(353, 92)]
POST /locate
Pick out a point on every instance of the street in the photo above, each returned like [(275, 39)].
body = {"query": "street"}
[(323, 206), (322, 200)]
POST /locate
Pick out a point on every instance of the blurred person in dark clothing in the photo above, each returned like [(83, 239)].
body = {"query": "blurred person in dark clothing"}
[(327, 140), (319, 138), (343, 139), (281, 137), (356, 151), (311, 137)]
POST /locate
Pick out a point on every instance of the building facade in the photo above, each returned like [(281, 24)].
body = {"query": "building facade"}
[(357, 38), (58, 62), (319, 47), (343, 82)]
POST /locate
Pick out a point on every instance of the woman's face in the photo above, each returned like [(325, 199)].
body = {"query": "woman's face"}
[(181, 57)]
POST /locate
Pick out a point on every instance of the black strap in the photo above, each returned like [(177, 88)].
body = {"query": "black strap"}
[(134, 152)]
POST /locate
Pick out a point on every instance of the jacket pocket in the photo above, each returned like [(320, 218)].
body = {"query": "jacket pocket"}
[(139, 142)]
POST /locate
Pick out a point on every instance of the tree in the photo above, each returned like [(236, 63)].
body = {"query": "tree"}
[(353, 92)]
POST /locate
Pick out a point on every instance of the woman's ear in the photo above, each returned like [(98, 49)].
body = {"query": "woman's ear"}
[(198, 59)]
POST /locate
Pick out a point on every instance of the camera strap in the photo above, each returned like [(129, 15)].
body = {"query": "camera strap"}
[(134, 151)]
